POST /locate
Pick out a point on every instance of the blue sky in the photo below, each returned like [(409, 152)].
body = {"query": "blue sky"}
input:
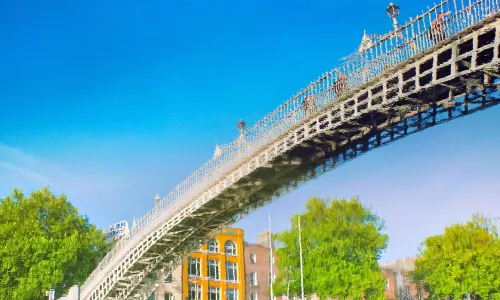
[(111, 102)]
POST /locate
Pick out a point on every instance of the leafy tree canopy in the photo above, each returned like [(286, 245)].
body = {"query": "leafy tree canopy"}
[(45, 243), (463, 260), (341, 243)]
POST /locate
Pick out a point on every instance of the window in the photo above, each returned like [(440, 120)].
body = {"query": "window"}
[(194, 292), (253, 278), (152, 296), (406, 275), (168, 275), (152, 276), (387, 286), (168, 296), (194, 266), (214, 293), (231, 294), (419, 294), (231, 271), (253, 258), (253, 296), (213, 246), (271, 277), (230, 248), (213, 269), (407, 292)]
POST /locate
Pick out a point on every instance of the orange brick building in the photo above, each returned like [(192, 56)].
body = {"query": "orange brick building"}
[(217, 271)]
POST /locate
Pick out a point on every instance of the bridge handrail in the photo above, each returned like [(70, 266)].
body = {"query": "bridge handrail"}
[(387, 51)]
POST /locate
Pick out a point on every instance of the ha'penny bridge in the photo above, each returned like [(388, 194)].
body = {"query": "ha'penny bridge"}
[(441, 65)]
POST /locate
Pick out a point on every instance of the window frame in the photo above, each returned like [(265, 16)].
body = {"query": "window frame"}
[(272, 277), (211, 290), (197, 263), (253, 279), (197, 289), (231, 268), (168, 296), (216, 265), (230, 248), (215, 244), (168, 275), (233, 292)]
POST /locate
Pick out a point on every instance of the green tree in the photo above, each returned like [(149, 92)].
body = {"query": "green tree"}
[(45, 243), (463, 260), (341, 243)]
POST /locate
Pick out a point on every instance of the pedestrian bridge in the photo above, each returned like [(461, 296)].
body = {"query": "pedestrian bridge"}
[(439, 66)]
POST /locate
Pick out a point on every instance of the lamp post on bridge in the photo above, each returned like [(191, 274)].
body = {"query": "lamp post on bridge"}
[(241, 128), (368, 40), (393, 12)]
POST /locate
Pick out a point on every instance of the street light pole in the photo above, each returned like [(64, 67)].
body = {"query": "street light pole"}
[(288, 289), (271, 257), (301, 270), (50, 294)]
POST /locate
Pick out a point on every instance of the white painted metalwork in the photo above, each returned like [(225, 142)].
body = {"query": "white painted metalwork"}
[(321, 107)]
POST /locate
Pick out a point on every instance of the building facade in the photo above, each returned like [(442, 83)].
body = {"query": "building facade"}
[(227, 268), (258, 268), (216, 272), (167, 284), (398, 282)]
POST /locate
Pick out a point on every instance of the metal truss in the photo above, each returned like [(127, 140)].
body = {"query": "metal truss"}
[(455, 78)]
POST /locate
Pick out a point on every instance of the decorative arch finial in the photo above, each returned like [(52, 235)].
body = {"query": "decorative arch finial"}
[(217, 152), (157, 199)]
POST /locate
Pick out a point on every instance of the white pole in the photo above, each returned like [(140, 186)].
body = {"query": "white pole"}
[(301, 271), (271, 256)]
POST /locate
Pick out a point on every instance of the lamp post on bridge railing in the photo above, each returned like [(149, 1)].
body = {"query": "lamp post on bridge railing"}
[(241, 128), (369, 39), (393, 12)]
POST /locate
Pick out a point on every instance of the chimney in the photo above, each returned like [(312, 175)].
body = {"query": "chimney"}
[(263, 239)]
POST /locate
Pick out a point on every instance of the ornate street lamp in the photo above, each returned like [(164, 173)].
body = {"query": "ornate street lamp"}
[(393, 12), (241, 126)]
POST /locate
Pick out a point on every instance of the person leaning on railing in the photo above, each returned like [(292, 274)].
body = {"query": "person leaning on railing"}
[(438, 28), (308, 105), (340, 86)]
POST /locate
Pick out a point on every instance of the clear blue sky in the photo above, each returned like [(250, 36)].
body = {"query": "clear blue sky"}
[(111, 102)]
